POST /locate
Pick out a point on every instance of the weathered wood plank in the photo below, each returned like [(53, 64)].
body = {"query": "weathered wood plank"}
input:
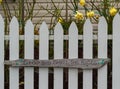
[(60, 63), (14, 52)]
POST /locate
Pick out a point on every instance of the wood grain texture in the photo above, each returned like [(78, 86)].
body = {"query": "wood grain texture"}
[(60, 63)]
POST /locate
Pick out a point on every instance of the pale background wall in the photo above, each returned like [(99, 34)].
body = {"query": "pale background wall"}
[(41, 12)]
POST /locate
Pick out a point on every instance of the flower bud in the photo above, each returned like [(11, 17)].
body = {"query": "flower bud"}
[(112, 11)]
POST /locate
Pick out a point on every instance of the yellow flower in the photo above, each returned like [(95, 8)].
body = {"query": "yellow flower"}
[(90, 14), (78, 15), (60, 20), (0, 1), (112, 11), (82, 2)]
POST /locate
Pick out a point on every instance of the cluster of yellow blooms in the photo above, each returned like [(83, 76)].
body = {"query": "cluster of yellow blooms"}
[(79, 16), (90, 14)]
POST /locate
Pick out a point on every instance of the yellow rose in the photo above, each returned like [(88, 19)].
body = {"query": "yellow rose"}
[(112, 11), (60, 20), (0, 1), (90, 14), (82, 2), (78, 15)]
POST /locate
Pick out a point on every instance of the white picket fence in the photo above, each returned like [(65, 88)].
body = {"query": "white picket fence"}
[(58, 38)]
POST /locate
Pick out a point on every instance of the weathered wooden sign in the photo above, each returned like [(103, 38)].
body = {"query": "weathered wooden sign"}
[(59, 63)]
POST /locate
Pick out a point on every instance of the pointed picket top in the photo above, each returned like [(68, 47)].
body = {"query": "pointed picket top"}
[(87, 25), (102, 21), (116, 23), (13, 21), (116, 17), (1, 20), (102, 27), (58, 29), (58, 25), (29, 25), (14, 24), (73, 28), (44, 28)]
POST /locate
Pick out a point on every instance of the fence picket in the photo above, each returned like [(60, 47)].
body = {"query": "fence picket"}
[(58, 54), (73, 53), (1, 52), (102, 52), (14, 52), (43, 54), (87, 53), (116, 52), (29, 54)]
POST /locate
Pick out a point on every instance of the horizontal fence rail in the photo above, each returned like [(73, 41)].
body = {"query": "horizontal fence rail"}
[(65, 37)]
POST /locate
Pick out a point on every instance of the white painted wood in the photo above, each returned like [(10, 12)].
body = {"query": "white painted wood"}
[(73, 53), (43, 54), (58, 53), (87, 52), (102, 52), (1, 52), (14, 52), (29, 53), (116, 53)]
